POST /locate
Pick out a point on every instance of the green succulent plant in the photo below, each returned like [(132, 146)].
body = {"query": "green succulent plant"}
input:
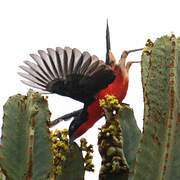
[(28, 149)]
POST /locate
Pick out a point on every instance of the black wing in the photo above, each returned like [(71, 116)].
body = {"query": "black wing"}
[(67, 72)]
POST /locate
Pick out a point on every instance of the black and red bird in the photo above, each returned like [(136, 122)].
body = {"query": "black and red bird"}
[(80, 76)]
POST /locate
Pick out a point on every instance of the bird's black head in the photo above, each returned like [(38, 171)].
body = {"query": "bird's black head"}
[(72, 128), (78, 125)]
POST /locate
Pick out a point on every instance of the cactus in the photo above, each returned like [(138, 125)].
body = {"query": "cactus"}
[(73, 166), (158, 152), (157, 155), (116, 147), (2, 176), (88, 165), (131, 136), (29, 151), (25, 147), (68, 162)]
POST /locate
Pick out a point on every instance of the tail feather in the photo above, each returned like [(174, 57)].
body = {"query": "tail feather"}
[(108, 45)]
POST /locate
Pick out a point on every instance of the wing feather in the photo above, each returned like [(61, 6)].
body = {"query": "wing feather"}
[(92, 67), (47, 62), (67, 72), (101, 67), (41, 65), (86, 62), (64, 61), (33, 74), (53, 60), (32, 79), (70, 60), (60, 55), (37, 69), (32, 84), (78, 60)]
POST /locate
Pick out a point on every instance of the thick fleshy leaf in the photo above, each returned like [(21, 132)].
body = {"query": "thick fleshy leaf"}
[(158, 155), (25, 149), (73, 167), (131, 136), (14, 153)]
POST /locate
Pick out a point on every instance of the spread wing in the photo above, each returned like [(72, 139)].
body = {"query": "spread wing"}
[(67, 72)]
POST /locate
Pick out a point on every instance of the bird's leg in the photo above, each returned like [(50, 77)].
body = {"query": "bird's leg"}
[(122, 62), (128, 65), (123, 59), (65, 117), (125, 54)]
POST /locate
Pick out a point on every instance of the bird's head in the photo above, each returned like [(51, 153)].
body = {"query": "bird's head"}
[(73, 128), (78, 125)]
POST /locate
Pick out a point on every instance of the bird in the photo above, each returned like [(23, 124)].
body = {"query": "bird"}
[(80, 76)]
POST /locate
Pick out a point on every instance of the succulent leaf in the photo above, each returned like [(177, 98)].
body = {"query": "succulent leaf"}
[(131, 136), (73, 166), (158, 153), (25, 147), (14, 152), (110, 142)]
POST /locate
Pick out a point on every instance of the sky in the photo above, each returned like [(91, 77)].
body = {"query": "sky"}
[(27, 26)]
